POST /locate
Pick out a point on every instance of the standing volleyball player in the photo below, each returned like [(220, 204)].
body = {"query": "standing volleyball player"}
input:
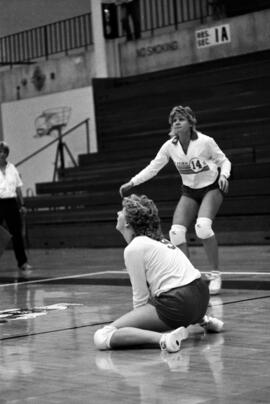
[(168, 292), (204, 170)]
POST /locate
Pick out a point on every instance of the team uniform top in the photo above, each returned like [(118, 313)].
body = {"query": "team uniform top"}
[(198, 167), (155, 267), (9, 182)]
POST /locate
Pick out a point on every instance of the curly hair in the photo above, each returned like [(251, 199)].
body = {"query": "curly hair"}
[(142, 214)]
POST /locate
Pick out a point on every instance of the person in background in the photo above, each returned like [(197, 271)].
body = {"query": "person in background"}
[(12, 205), (169, 294), (130, 17), (204, 170)]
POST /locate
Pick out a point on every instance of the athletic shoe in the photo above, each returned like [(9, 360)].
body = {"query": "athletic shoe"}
[(171, 342), (212, 324), (215, 281)]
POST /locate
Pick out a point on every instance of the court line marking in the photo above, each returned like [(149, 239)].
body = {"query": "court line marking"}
[(59, 278), (241, 273), (243, 300), (106, 322), (51, 331), (123, 271)]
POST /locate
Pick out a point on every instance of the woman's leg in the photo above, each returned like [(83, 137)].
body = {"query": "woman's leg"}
[(184, 214), (208, 209), (139, 326)]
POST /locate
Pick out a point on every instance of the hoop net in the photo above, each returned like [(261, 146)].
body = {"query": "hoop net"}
[(50, 119)]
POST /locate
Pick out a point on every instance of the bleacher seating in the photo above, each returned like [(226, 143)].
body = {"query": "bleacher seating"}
[(231, 101)]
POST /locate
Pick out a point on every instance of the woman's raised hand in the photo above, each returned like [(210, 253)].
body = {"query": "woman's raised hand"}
[(125, 188)]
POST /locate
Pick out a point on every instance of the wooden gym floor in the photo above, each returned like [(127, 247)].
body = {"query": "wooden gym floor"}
[(48, 320)]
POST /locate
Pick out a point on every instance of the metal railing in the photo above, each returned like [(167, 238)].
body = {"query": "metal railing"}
[(41, 42), (156, 14), (74, 33)]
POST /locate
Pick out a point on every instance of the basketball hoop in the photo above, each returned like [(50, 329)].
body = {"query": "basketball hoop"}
[(50, 119), (55, 119), (41, 126)]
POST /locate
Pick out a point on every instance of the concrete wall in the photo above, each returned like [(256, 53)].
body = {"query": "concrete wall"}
[(247, 33), (244, 34), (60, 74)]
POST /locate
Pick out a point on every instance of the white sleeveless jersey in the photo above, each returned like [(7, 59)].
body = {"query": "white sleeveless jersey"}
[(155, 267), (198, 167)]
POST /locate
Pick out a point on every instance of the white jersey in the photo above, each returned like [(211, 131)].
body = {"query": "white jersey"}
[(198, 167), (9, 182), (155, 267)]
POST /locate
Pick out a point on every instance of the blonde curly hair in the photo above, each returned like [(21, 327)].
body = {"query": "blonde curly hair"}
[(142, 214)]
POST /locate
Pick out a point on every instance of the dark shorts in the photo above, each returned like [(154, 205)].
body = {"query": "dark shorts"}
[(199, 193), (184, 305)]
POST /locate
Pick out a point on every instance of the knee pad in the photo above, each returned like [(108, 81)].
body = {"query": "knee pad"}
[(178, 234), (203, 228), (102, 337)]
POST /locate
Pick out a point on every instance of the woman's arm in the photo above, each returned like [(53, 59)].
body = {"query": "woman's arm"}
[(220, 159), (224, 163), (148, 172), (135, 266)]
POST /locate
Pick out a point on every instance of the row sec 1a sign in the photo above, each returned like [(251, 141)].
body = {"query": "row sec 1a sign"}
[(213, 36)]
